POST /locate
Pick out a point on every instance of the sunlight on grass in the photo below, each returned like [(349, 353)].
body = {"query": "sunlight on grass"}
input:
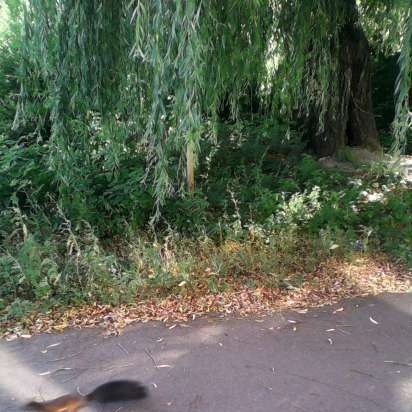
[(4, 20)]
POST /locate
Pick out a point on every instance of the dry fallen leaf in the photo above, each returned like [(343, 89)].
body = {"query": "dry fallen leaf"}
[(329, 283), (56, 370), (11, 338), (373, 321), (50, 346), (53, 345), (399, 363)]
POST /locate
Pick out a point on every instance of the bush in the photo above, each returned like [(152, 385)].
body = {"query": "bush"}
[(391, 224)]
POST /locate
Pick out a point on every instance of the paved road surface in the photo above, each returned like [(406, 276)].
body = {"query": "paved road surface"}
[(353, 360)]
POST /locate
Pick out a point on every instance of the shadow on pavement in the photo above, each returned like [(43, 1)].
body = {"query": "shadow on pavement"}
[(355, 359)]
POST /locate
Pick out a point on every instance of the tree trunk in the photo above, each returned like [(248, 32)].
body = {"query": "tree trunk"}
[(351, 121), (190, 169)]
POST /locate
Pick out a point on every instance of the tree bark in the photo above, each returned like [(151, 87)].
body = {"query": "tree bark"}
[(351, 121), (190, 169)]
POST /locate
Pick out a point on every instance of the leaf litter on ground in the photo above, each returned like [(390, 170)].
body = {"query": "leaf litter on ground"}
[(328, 284)]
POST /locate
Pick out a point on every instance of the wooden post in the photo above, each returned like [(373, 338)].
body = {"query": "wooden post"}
[(190, 169)]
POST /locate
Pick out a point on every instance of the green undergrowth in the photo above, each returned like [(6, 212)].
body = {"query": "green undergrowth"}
[(254, 222)]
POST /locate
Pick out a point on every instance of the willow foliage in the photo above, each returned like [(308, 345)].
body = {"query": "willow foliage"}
[(309, 52), (157, 71), (192, 56), (403, 120)]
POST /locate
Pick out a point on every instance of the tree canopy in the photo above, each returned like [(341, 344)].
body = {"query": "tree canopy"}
[(153, 75)]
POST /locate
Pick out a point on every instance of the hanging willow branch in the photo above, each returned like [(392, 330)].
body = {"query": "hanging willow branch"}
[(403, 117), (155, 71), (168, 51), (192, 56)]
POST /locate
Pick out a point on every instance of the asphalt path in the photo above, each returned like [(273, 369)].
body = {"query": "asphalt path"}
[(355, 356)]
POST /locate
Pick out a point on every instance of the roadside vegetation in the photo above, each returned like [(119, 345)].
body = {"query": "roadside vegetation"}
[(96, 207)]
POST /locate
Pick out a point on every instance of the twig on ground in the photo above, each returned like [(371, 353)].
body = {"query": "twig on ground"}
[(151, 357), (123, 348), (118, 367), (362, 373), (64, 357)]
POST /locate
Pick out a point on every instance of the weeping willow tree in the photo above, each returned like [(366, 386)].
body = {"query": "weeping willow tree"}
[(403, 118), (157, 72)]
